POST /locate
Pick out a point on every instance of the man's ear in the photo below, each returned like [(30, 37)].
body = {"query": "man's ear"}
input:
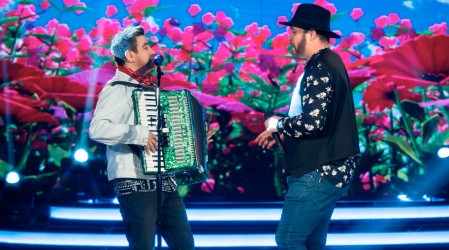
[(129, 56)]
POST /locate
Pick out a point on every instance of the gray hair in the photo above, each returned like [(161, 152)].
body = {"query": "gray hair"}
[(125, 40)]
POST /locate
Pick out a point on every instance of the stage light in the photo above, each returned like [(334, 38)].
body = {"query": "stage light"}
[(443, 152), (81, 155), (12, 177)]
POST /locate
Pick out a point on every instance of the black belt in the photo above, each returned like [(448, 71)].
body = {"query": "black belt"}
[(129, 186)]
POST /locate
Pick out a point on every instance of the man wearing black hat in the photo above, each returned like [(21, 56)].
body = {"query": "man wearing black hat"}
[(319, 135)]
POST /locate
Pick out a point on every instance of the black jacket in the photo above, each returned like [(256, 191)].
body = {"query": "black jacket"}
[(339, 138)]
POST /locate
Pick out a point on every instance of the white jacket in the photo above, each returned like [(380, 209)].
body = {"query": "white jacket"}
[(113, 124)]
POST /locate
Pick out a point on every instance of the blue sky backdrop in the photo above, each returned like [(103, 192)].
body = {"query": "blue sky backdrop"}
[(422, 13)]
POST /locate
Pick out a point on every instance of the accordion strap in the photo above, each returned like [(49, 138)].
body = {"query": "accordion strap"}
[(127, 84)]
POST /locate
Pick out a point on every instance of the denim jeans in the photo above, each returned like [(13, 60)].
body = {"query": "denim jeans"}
[(139, 213), (309, 204)]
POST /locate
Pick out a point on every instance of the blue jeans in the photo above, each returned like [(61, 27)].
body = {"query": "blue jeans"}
[(139, 213), (309, 204)]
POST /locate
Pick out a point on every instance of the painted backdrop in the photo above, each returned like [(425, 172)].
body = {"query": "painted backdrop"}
[(235, 58)]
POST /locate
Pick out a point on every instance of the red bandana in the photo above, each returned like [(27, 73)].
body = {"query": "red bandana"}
[(145, 80)]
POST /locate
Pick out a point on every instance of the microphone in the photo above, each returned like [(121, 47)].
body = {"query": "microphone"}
[(158, 60), (276, 137)]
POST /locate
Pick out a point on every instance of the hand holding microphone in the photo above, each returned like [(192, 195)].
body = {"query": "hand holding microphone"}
[(270, 136)]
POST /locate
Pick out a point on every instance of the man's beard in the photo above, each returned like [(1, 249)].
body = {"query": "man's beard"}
[(300, 48), (147, 68)]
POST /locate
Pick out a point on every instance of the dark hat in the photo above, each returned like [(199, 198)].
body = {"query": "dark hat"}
[(312, 16)]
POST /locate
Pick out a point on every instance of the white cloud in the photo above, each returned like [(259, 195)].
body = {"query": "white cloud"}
[(443, 1), (409, 4)]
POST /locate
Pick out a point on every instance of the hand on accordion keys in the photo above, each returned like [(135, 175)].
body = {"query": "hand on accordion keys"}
[(151, 146)]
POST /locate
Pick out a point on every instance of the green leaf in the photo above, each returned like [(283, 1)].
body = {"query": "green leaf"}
[(435, 142), (15, 56), (413, 109), (402, 175), (25, 2), (9, 20), (151, 9), (44, 37), (57, 153), (282, 99), (5, 167), (76, 8), (237, 131), (382, 169), (337, 15), (288, 67), (429, 127), (260, 84), (400, 144)]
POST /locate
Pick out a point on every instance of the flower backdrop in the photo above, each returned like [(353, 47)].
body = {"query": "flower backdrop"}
[(52, 71)]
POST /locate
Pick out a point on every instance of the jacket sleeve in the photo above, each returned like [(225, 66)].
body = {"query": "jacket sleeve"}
[(315, 101), (110, 122)]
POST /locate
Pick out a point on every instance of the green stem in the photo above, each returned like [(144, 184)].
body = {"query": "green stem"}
[(444, 110), (408, 129), (32, 133)]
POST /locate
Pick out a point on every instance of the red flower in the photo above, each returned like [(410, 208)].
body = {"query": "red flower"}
[(24, 110), (419, 62), (76, 94), (10, 71), (176, 81), (380, 93), (359, 72)]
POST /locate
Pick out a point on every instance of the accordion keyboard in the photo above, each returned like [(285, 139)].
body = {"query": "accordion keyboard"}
[(147, 112)]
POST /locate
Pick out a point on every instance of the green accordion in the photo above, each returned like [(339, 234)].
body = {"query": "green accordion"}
[(183, 130)]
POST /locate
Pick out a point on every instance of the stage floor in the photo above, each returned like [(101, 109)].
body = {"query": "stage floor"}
[(354, 225)]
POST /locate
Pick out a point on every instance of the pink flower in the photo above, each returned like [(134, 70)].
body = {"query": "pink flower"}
[(439, 28), (85, 44), (224, 20), (438, 103), (208, 18), (294, 7), (137, 8), (377, 33), (393, 18), (229, 67), (405, 23), (388, 42), (79, 32), (281, 19), (3, 3), (252, 28), (44, 5), (64, 45), (69, 3), (24, 10), (106, 29), (381, 22), (208, 186), (329, 6), (356, 13), (194, 9), (127, 21), (111, 10), (80, 4)]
